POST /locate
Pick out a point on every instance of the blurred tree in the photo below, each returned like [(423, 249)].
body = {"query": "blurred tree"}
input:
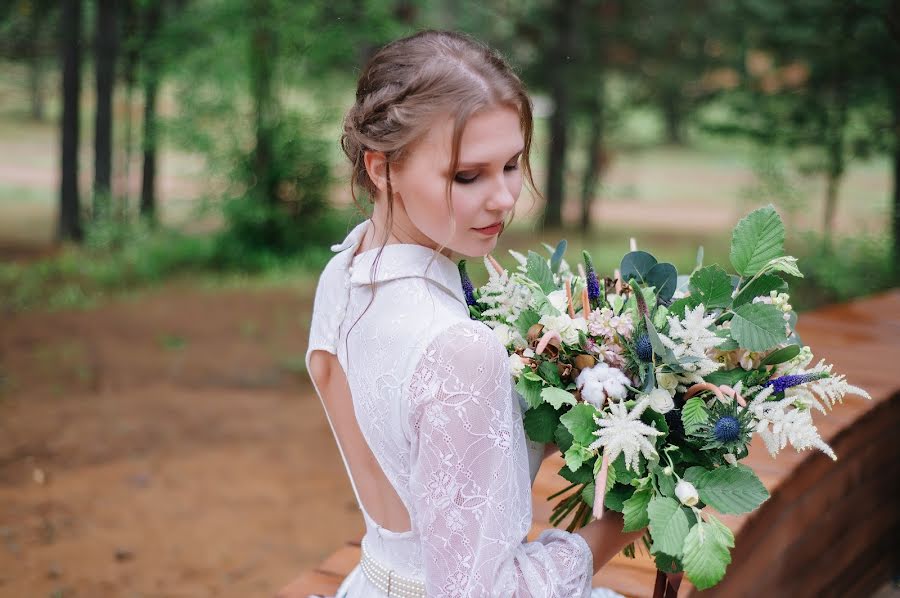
[(152, 61), (807, 73), (27, 31), (105, 46), (70, 50)]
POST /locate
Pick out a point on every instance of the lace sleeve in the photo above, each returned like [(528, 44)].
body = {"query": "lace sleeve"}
[(470, 483)]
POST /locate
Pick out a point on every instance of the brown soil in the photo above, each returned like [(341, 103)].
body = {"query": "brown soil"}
[(168, 445)]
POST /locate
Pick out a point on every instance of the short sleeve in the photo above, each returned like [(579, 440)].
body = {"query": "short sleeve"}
[(469, 479)]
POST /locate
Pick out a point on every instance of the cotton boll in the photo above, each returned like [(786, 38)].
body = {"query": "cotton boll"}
[(602, 382)]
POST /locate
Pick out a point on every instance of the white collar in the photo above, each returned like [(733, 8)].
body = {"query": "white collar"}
[(398, 260)]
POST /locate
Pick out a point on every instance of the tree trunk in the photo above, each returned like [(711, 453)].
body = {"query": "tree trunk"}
[(70, 36), (896, 160), (594, 167), (105, 64), (672, 113), (35, 64), (559, 120), (262, 54), (129, 76), (151, 83)]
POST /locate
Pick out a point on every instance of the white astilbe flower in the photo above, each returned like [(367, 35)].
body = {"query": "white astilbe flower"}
[(780, 422), (623, 432), (506, 296), (691, 337), (599, 382), (830, 390)]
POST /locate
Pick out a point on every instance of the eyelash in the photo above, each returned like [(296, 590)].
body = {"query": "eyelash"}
[(465, 181)]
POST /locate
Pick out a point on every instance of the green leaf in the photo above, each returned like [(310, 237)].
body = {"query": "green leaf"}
[(556, 258), (711, 286), (668, 525), (636, 264), (724, 531), (782, 355), (759, 287), (540, 423), (665, 482), (636, 511), (580, 422), (583, 475), (664, 278), (563, 438), (679, 306), (659, 348), (617, 495), (757, 238), (587, 493), (549, 372), (727, 377), (758, 326), (706, 555), (667, 563), (692, 474), (530, 375), (537, 269), (557, 397), (530, 390), (694, 415), (576, 456), (731, 490), (527, 318)]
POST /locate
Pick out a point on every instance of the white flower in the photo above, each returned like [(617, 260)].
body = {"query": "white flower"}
[(788, 424), (505, 295), (692, 338), (831, 390), (509, 336), (599, 382), (667, 381), (730, 459), (623, 432), (558, 300), (660, 400), (516, 365), (564, 325), (686, 493)]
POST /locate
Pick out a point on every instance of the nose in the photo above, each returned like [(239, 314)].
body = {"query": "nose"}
[(502, 198)]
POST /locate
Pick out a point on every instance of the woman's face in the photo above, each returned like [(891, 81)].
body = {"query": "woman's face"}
[(486, 184)]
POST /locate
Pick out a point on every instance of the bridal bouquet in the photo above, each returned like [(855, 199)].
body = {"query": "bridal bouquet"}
[(652, 384)]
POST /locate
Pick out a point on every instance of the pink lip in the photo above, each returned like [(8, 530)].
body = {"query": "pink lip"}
[(492, 229)]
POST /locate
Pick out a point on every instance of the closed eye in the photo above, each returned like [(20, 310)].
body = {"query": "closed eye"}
[(460, 178)]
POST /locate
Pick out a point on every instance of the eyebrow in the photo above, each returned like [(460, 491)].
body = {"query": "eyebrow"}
[(477, 164)]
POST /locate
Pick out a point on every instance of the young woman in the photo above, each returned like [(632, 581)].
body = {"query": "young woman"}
[(418, 395)]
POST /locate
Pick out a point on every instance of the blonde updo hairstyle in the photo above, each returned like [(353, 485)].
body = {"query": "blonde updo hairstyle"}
[(412, 81)]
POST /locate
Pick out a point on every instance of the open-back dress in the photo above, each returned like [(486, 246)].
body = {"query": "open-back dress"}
[(429, 407)]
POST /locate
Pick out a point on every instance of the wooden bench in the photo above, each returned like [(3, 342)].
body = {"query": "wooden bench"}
[(829, 528)]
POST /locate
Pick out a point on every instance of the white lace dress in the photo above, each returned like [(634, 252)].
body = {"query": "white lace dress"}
[(433, 398)]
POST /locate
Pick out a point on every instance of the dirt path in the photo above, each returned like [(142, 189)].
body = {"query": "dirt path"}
[(166, 446)]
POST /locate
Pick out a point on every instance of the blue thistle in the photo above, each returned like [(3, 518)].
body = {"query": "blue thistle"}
[(593, 285), (644, 348), (468, 289), (782, 383), (727, 428)]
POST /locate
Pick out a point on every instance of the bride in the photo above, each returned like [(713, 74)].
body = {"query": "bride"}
[(418, 395)]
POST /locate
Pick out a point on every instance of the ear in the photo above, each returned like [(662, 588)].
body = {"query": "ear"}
[(376, 167)]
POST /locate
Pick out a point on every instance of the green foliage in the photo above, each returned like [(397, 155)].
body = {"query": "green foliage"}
[(706, 554), (635, 512), (711, 286), (541, 422), (557, 397), (694, 414), (540, 272), (757, 239), (668, 525), (731, 490), (758, 326), (579, 420)]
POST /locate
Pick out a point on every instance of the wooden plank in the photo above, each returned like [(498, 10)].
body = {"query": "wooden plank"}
[(829, 528)]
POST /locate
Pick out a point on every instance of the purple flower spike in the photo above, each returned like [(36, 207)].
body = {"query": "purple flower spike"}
[(468, 289), (593, 285), (782, 383)]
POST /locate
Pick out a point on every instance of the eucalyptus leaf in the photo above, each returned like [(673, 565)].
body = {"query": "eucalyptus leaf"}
[(637, 265)]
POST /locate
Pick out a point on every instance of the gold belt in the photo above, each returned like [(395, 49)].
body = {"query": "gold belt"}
[(387, 581)]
